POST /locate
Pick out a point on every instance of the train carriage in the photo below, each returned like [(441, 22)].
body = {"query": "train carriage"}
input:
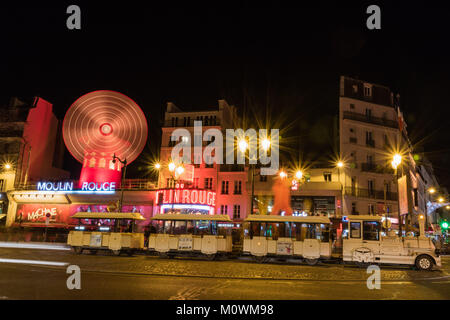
[(268, 236), (191, 234), (113, 231)]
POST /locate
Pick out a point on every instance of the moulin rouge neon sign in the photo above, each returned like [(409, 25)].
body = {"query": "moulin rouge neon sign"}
[(67, 187), (186, 196)]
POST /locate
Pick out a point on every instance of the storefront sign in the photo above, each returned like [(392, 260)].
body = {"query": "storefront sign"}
[(186, 196), (67, 187), (37, 213), (55, 186), (185, 243)]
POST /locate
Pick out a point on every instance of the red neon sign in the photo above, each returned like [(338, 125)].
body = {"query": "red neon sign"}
[(189, 196)]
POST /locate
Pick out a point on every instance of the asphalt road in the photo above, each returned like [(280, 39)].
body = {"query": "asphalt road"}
[(143, 277)]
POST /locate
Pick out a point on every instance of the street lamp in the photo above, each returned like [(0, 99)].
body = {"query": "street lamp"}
[(440, 199), (339, 165), (432, 190), (7, 166), (283, 174), (124, 162), (299, 174), (243, 146), (396, 161)]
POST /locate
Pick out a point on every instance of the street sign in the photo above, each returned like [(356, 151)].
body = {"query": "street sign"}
[(387, 223)]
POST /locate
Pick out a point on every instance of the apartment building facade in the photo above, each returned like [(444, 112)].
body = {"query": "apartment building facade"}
[(372, 130)]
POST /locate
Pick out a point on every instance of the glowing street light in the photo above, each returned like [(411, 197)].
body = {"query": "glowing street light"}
[(340, 164), (7, 166), (299, 174), (243, 145), (179, 170), (157, 166), (397, 160), (441, 199), (432, 190), (265, 144), (172, 166), (283, 174)]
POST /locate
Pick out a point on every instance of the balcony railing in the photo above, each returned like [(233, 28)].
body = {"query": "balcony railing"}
[(376, 168), (373, 120), (372, 194), (370, 143), (182, 123)]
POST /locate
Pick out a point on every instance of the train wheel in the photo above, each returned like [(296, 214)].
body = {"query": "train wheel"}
[(311, 262), (116, 252), (424, 262), (78, 250), (211, 257), (259, 259), (130, 253)]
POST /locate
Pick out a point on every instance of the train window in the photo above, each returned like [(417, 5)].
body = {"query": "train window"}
[(371, 230), (325, 233), (179, 227), (355, 229), (190, 227)]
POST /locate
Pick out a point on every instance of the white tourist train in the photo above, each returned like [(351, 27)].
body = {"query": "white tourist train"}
[(309, 238), (268, 236), (191, 234)]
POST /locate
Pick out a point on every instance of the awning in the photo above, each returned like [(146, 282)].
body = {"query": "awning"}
[(108, 215)]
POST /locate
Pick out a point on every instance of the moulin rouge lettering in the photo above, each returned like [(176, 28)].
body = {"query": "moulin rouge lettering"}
[(189, 196)]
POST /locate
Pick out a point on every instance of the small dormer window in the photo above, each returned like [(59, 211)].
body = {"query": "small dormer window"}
[(367, 90)]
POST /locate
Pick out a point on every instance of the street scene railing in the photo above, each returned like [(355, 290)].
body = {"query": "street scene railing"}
[(371, 194), (373, 120)]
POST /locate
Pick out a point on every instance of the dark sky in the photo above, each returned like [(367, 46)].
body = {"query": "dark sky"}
[(282, 56)]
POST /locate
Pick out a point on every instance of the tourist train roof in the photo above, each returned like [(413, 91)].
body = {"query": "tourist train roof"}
[(276, 218)]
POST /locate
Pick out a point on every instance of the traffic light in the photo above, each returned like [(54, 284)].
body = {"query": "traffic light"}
[(444, 225)]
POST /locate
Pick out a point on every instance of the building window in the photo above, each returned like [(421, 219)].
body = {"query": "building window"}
[(236, 211), (369, 139), (170, 183), (355, 88), (370, 188), (225, 187), (238, 187), (371, 209), (327, 176), (208, 183), (352, 106), (195, 182), (2, 185), (368, 113), (367, 90), (92, 163), (263, 178), (354, 208), (223, 209), (351, 130)]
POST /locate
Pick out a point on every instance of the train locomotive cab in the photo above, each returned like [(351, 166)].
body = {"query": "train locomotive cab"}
[(190, 234), (268, 236), (364, 244)]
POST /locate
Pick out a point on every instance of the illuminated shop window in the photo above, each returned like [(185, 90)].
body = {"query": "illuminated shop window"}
[(92, 163)]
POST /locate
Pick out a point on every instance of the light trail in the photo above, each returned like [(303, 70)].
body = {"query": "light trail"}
[(39, 262), (32, 246)]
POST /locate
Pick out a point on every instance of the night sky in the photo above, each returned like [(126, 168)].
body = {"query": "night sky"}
[(275, 56)]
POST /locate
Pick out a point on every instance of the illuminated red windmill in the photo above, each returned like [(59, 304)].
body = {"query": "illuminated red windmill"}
[(97, 126)]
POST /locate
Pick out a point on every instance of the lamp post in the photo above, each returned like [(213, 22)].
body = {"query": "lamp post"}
[(396, 161), (243, 146), (124, 162), (339, 165)]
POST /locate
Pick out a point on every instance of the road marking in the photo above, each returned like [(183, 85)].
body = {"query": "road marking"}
[(32, 246), (40, 262)]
